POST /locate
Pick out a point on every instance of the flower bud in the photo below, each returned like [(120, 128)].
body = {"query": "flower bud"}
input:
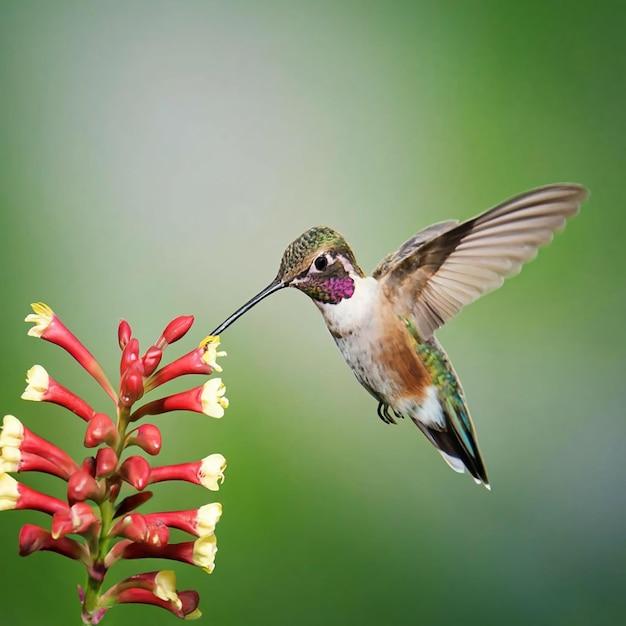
[(106, 462), (174, 331), (151, 360), (124, 333), (135, 470), (131, 387), (77, 519), (82, 486), (147, 437), (130, 355), (101, 429)]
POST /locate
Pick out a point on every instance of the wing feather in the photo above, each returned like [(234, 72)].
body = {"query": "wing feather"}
[(446, 266)]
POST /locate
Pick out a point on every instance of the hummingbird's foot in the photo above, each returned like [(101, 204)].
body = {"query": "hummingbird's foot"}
[(383, 413)]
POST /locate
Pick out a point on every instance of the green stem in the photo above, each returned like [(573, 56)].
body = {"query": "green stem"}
[(99, 544)]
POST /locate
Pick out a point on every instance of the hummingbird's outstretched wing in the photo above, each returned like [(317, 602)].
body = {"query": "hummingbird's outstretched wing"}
[(442, 268)]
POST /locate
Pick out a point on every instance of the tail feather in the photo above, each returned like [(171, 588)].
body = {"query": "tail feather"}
[(454, 451), (455, 438)]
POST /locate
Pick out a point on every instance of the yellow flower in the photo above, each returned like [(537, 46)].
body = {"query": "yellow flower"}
[(11, 439), (204, 550), (213, 399), (42, 318), (211, 472), (207, 518), (211, 354), (38, 382), (9, 492), (165, 587), (12, 433)]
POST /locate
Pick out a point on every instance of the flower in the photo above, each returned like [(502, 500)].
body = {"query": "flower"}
[(208, 472), (42, 318), (49, 327), (21, 451), (211, 354), (38, 383), (16, 496), (204, 549), (207, 399), (198, 522), (200, 552), (104, 527), (207, 518), (213, 399), (9, 492), (34, 538), (211, 471), (42, 388)]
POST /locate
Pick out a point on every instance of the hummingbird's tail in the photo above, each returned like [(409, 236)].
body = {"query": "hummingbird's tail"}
[(457, 444), (454, 435)]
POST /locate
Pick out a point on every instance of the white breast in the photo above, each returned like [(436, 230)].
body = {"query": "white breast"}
[(353, 314), (355, 324)]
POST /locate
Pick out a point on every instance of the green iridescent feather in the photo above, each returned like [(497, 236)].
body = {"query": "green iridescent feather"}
[(452, 399)]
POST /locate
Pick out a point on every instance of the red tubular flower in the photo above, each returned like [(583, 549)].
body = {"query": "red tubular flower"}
[(15, 495), (49, 327), (199, 522), (188, 601), (34, 538), (208, 399), (21, 450), (200, 552), (28, 462), (208, 472), (42, 388), (202, 360), (160, 583)]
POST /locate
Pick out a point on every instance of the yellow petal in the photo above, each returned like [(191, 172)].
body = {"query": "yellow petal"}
[(207, 517), (212, 398), (204, 550), (38, 383), (9, 493), (211, 471), (42, 317), (165, 587)]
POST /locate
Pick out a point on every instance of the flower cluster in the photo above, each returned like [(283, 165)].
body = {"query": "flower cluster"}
[(98, 512)]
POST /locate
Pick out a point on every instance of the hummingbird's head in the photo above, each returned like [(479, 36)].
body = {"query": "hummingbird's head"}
[(319, 262)]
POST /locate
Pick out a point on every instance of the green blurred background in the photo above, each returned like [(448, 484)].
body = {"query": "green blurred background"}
[(157, 157)]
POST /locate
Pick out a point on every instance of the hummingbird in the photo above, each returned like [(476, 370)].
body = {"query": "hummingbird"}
[(384, 324)]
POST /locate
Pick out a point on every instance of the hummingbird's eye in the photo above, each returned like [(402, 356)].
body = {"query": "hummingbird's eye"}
[(321, 263)]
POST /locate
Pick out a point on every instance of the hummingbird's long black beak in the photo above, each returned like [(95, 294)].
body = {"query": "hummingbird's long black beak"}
[(275, 285)]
